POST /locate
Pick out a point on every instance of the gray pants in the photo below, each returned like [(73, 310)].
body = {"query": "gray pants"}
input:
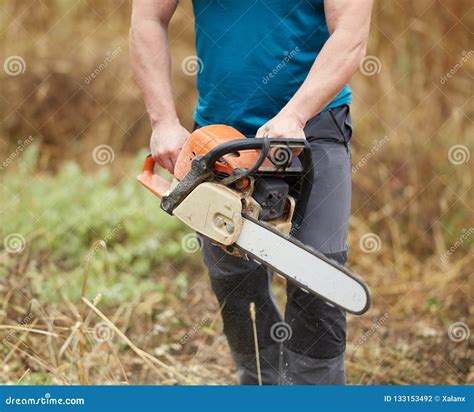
[(305, 346)]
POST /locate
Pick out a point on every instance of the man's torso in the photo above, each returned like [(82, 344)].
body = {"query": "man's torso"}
[(254, 55)]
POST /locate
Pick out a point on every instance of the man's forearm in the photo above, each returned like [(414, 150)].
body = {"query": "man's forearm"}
[(151, 63), (332, 69), (348, 22)]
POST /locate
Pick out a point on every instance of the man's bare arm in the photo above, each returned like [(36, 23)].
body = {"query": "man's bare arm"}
[(348, 23), (151, 63)]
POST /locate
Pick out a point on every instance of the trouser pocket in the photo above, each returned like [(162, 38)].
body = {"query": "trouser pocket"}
[(333, 125)]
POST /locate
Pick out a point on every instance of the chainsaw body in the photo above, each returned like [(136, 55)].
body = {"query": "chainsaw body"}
[(220, 175)]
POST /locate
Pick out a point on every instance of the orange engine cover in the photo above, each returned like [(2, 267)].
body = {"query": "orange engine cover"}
[(203, 140)]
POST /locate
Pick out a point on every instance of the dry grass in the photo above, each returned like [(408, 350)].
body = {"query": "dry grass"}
[(407, 192)]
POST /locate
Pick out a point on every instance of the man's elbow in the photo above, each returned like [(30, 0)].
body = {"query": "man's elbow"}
[(133, 37), (353, 44), (357, 51), (362, 48), (143, 31)]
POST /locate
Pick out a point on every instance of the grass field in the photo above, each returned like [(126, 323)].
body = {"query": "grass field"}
[(98, 286)]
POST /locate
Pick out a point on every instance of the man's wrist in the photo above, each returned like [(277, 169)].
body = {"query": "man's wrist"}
[(160, 121), (290, 111)]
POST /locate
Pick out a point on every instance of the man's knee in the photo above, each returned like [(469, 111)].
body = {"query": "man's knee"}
[(222, 265), (318, 328), (237, 283)]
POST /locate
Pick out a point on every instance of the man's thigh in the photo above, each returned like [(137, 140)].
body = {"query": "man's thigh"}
[(326, 218), (319, 329)]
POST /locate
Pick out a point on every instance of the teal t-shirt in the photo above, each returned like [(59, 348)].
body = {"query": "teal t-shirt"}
[(254, 55)]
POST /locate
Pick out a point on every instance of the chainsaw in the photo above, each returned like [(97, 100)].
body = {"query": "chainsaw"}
[(249, 197)]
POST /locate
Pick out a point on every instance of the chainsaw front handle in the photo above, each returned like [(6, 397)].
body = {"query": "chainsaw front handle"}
[(155, 183)]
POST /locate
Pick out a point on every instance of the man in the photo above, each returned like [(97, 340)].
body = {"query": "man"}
[(270, 68)]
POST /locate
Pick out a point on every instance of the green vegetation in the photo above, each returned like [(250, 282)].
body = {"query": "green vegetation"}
[(73, 220)]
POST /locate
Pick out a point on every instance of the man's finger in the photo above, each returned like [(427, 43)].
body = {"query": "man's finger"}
[(161, 160), (174, 156), (261, 132), (158, 159), (169, 164)]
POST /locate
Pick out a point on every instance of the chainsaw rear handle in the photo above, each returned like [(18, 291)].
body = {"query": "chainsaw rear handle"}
[(202, 168), (155, 183)]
